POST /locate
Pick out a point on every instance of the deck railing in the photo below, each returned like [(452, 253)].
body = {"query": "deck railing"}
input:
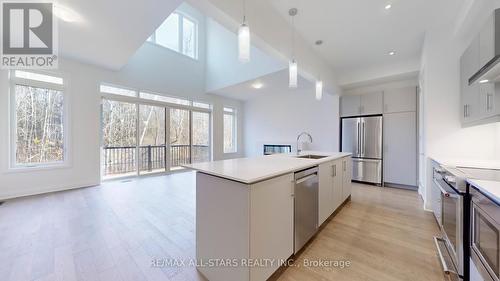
[(122, 159)]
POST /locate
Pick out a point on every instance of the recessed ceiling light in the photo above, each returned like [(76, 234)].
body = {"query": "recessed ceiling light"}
[(257, 85), (484, 81), (392, 53), (388, 6)]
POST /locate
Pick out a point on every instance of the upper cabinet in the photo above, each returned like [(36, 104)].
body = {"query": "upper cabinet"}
[(479, 101), (400, 100), (350, 105), (469, 64), (366, 104), (372, 103)]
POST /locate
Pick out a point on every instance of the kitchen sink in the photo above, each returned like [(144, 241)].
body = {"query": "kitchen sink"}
[(311, 156)]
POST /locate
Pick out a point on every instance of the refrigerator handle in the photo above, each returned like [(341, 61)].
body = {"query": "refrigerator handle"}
[(363, 139), (359, 140)]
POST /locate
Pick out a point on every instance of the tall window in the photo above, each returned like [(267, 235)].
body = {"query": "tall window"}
[(230, 132), (38, 115), (179, 33)]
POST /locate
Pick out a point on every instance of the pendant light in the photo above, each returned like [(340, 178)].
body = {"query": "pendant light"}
[(244, 38), (319, 89), (292, 65)]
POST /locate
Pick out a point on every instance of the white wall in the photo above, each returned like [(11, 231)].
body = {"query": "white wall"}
[(278, 119), (443, 135), (223, 67), (151, 68), (272, 34)]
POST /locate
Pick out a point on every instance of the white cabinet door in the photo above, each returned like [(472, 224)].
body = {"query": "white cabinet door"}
[(469, 64), (338, 178), (346, 177), (487, 100), (325, 192), (372, 103), (400, 148), (400, 100), (271, 223), (350, 105)]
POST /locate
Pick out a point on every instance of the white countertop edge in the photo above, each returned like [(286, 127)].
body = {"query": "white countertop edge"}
[(468, 163), (489, 188), (313, 162)]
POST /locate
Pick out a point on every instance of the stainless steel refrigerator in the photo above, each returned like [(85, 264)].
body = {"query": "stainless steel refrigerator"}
[(362, 136)]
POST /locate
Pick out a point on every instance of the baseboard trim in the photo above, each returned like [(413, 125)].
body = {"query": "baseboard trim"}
[(401, 186), (28, 193)]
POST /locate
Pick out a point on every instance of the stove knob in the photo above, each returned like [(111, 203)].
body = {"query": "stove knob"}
[(439, 170), (449, 179)]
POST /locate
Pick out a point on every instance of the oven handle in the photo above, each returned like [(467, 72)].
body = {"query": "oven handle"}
[(445, 193), (446, 269)]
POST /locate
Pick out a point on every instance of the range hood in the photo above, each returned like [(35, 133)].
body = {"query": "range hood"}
[(490, 72)]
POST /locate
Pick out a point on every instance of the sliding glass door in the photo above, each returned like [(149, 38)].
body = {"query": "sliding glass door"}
[(152, 139), (119, 137), (180, 138), (141, 139), (200, 149)]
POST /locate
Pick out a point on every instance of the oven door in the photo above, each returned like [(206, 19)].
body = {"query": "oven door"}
[(485, 237), (451, 225)]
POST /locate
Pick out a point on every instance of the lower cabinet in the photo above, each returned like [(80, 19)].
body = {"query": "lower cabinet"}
[(326, 190), (346, 177), (334, 186), (240, 222), (271, 223)]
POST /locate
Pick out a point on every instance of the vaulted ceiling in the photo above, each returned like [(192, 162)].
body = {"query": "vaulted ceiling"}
[(108, 32)]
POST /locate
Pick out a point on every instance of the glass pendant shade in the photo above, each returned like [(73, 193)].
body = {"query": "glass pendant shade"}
[(244, 43), (319, 89), (292, 69)]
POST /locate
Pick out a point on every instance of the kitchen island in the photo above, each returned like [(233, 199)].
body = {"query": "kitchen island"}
[(245, 210)]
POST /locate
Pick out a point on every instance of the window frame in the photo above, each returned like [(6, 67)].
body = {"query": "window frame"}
[(13, 166), (180, 24), (138, 100), (231, 111)]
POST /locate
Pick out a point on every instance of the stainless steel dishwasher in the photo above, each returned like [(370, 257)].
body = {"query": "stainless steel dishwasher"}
[(305, 206)]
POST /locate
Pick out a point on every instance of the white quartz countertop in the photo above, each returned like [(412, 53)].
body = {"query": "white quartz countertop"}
[(255, 169), (488, 188), (469, 163)]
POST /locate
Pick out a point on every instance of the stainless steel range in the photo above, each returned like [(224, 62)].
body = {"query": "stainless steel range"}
[(455, 216), (453, 221)]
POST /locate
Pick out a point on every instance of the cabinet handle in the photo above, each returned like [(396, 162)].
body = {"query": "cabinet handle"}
[(488, 102), (465, 110)]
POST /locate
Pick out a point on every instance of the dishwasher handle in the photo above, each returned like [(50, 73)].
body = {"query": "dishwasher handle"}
[(301, 180)]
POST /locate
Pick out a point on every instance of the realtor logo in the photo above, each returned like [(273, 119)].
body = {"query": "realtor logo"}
[(28, 35)]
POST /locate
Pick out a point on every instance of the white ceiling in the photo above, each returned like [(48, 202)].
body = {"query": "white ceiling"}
[(358, 34), (273, 84), (108, 32)]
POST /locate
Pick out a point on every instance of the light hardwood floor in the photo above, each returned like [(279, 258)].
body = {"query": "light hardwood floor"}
[(113, 231)]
